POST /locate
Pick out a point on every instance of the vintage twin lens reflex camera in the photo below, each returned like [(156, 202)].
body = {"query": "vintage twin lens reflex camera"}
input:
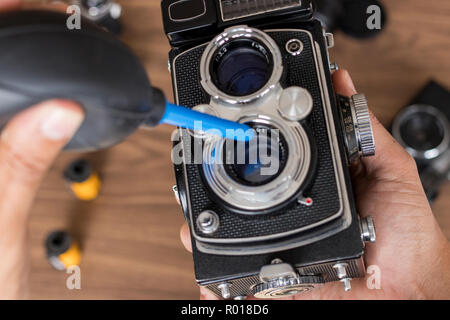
[(265, 63)]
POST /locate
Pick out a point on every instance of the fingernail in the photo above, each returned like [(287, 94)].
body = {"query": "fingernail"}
[(60, 123), (349, 80)]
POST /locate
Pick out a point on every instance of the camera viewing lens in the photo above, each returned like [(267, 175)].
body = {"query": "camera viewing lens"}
[(241, 67), (422, 131), (259, 172)]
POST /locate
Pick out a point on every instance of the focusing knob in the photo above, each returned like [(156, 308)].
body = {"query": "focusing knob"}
[(357, 126), (363, 125), (284, 287)]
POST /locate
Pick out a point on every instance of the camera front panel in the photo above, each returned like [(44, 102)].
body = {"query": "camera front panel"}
[(291, 223)]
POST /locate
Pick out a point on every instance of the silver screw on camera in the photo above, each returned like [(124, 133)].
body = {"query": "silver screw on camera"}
[(334, 66), (208, 222), (225, 290), (176, 194), (341, 271), (294, 47)]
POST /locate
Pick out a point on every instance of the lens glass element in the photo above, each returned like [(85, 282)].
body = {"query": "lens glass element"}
[(422, 131), (259, 161), (241, 67)]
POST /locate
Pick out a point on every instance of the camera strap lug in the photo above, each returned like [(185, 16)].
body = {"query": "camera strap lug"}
[(329, 38)]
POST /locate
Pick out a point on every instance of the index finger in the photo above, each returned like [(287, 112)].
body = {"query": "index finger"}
[(6, 5)]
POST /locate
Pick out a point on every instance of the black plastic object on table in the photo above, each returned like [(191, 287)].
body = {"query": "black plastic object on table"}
[(41, 59), (351, 16)]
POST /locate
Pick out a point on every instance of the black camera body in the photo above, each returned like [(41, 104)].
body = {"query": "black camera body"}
[(265, 63)]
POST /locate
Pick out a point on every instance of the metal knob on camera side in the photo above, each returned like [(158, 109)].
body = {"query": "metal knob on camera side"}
[(363, 124), (357, 126), (341, 271), (367, 226), (367, 235), (295, 103), (360, 142), (280, 279)]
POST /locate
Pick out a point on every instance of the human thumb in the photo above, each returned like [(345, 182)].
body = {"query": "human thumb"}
[(28, 146)]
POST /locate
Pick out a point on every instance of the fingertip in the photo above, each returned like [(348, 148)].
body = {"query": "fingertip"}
[(28, 123), (205, 294), (390, 158), (67, 104), (185, 237), (6, 5), (61, 121), (51, 122), (60, 6), (343, 83), (32, 139)]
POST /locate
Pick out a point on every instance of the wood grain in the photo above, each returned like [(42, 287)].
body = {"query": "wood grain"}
[(131, 247)]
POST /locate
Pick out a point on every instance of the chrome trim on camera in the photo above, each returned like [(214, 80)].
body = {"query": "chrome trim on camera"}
[(185, 19), (256, 198), (203, 108), (294, 47), (296, 104), (256, 11), (420, 154), (231, 34)]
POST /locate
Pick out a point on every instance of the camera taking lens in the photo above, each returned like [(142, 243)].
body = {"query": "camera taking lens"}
[(262, 159)]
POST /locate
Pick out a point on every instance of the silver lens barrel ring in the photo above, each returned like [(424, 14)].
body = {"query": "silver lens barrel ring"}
[(218, 48), (278, 191)]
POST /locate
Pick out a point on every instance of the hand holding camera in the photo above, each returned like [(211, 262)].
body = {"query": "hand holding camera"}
[(388, 187), (266, 64)]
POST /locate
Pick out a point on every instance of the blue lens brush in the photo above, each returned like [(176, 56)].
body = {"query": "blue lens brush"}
[(186, 118)]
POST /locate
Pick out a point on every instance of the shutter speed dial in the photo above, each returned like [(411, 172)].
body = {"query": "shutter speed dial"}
[(357, 126), (280, 280), (285, 287)]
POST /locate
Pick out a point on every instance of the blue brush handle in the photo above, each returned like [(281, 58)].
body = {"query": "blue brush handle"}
[(187, 118)]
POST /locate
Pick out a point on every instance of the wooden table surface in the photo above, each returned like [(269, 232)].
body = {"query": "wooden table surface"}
[(131, 247)]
